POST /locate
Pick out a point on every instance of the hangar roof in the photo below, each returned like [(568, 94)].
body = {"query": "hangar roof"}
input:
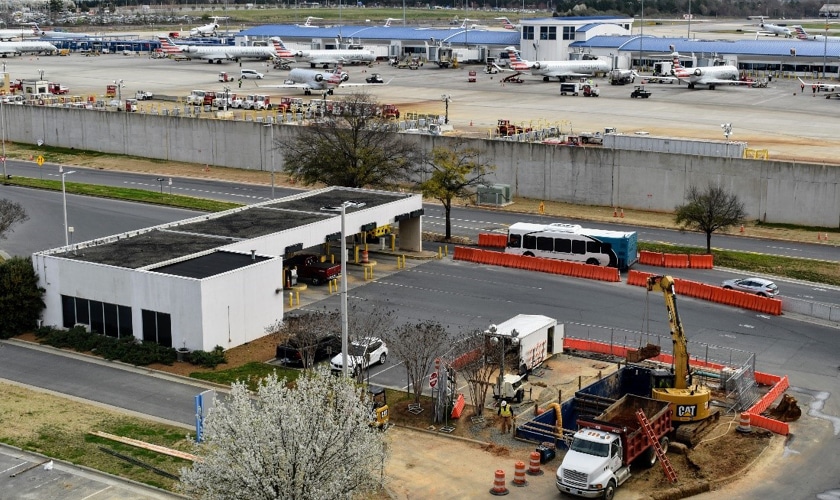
[(201, 235), (686, 46), (379, 33)]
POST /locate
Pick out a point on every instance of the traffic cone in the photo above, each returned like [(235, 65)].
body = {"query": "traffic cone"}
[(622, 213), (819, 236), (615, 212), (742, 228), (826, 237)]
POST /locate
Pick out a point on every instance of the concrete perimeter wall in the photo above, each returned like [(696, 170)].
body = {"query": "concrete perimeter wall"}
[(772, 191)]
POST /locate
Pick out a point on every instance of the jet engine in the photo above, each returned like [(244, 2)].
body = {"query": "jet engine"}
[(536, 65), (698, 72), (319, 77), (344, 77)]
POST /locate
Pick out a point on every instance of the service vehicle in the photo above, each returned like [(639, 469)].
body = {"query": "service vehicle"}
[(603, 448), (390, 111), (224, 76), (507, 128), (57, 88), (759, 286), (361, 354), (523, 342), (143, 95), (310, 268), (379, 406), (572, 242), (590, 91), (569, 88), (621, 76), (639, 91), (250, 73), (375, 78), (256, 102), (131, 105)]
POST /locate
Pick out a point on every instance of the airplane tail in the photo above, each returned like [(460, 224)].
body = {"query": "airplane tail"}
[(516, 62), (506, 24), (36, 30), (168, 47), (281, 50), (800, 32), (679, 70)]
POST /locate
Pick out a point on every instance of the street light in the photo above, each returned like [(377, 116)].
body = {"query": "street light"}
[(64, 203), (70, 231), (119, 84), (3, 126), (499, 338), (689, 19), (446, 98), (40, 74), (160, 180), (344, 327), (271, 146)]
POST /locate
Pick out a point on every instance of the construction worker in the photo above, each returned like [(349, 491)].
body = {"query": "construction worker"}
[(507, 416)]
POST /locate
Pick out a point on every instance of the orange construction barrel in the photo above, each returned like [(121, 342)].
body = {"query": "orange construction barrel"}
[(519, 474), (499, 488), (364, 256), (534, 464)]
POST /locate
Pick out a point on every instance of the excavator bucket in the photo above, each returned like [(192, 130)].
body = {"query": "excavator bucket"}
[(646, 352), (787, 410)]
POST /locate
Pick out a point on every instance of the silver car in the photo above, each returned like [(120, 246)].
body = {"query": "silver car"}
[(758, 286)]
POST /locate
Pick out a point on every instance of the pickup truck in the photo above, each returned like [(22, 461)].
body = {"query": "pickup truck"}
[(310, 268), (143, 95), (599, 458)]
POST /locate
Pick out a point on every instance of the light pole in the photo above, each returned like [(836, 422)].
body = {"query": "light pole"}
[(160, 180), (689, 19), (344, 327), (499, 338), (70, 231), (271, 146), (40, 74), (3, 126), (825, 47), (119, 84), (446, 98), (641, 34), (64, 203), (727, 131)]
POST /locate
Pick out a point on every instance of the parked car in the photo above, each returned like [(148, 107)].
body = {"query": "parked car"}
[(361, 354), (290, 352), (758, 286), (250, 73)]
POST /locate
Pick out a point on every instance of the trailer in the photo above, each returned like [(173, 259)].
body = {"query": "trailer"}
[(569, 88), (536, 338)]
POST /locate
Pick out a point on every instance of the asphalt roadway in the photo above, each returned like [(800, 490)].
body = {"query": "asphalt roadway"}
[(776, 118)]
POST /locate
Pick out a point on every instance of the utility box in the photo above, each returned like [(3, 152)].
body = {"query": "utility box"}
[(497, 195)]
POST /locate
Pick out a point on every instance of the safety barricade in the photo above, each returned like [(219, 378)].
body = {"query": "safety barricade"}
[(781, 428), (651, 258), (492, 240), (676, 260), (637, 278), (458, 407), (701, 261)]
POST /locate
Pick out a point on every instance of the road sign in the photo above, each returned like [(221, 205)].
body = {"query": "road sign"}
[(39, 160), (433, 379)]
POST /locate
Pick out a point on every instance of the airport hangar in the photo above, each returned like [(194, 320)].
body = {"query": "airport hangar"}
[(215, 279), (566, 38)]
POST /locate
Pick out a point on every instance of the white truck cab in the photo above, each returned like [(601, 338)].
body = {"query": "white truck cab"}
[(592, 464)]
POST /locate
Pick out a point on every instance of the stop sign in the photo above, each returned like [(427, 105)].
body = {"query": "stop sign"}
[(433, 379)]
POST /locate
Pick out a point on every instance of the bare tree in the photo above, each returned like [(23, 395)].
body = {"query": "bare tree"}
[(709, 211), (304, 333), (313, 440), (451, 173), (365, 319), (354, 149), (470, 359), (11, 213), (417, 345)]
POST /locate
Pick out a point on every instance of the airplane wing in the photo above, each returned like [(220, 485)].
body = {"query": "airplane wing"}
[(823, 87), (559, 72), (214, 56), (323, 60), (363, 84), (288, 84)]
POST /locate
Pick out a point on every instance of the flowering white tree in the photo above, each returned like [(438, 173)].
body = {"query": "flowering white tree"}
[(310, 441)]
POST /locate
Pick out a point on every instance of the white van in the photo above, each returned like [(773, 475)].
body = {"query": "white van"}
[(250, 73)]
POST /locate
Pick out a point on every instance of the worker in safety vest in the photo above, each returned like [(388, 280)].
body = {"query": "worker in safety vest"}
[(507, 416)]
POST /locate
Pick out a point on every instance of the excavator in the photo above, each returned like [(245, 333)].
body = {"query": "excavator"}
[(691, 413)]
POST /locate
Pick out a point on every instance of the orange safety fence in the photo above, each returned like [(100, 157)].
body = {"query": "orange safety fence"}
[(676, 260), (492, 240), (573, 269), (651, 258), (781, 428), (777, 390), (458, 407)]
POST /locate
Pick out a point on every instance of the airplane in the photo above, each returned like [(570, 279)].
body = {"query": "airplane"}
[(388, 22), (336, 56), (803, 35), (11, 34), (507, 24), (774, 29), (309, 80), (27, 46), (207, 29), (721, 74), (283, 52), (61, 34), (823, 87), (308, 23), (217, 53), (555, 69)]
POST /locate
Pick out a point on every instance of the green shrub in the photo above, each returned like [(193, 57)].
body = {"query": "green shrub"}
[(209, 359), (127, 349)]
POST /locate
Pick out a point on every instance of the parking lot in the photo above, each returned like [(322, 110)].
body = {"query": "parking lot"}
[(777, 118)]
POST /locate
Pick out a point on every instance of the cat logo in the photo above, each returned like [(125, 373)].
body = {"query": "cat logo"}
[(686, 410)]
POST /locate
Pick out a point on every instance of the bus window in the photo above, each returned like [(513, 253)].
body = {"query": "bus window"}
[(606, 248), (579, 246), (563, 245), (593, 247), (529, 242), (515, 241), (545, 244)]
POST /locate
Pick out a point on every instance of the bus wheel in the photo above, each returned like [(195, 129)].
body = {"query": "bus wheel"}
[(593, 262), (528, 254)]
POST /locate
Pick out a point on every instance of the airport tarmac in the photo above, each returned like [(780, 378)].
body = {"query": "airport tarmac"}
[(781, 119)]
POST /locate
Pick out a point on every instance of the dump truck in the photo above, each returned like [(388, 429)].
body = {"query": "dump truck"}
[(603, 448)]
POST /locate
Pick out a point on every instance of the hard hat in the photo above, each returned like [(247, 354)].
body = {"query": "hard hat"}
[(504, 403)]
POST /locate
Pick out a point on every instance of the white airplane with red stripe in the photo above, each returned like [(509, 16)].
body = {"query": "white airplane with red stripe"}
[(803, 35), (217, 53), (556, 69), (711, 76), (507, 24)]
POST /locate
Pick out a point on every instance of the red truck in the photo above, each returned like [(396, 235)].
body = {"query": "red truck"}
[(309, 268), (599, 458), (57, 88)]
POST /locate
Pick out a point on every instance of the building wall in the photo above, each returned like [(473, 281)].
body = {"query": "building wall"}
[(773, 191)]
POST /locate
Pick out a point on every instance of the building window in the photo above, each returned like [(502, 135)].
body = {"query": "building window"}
[(568, 32), (110, 319), (548, 32), (527, 32), (157, 327)]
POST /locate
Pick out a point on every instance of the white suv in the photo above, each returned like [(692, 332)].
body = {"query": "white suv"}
[(250, 73), (361, 354)]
